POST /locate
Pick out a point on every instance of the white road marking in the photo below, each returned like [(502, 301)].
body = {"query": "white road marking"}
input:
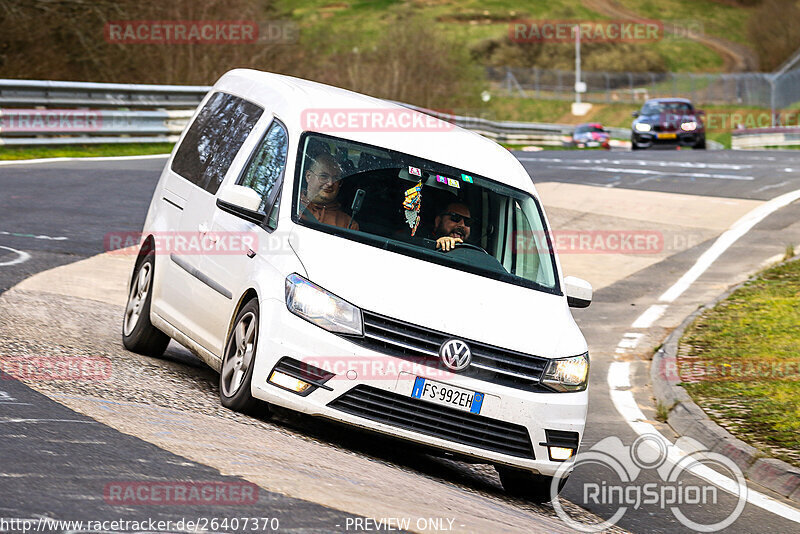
[(660, 173), (47, 237), (619, 387), (629, 341), (99, 158), (771, 186), (21, 257), (723, 242), (646, 163), (619, 378), (16, 420), (650, 316)]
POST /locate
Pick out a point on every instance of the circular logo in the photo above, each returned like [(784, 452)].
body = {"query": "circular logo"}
[(455, 354)]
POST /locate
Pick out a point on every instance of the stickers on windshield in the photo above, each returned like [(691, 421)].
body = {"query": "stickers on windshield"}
[(449, 181), (413, 204), (467, 178), (413, 171)]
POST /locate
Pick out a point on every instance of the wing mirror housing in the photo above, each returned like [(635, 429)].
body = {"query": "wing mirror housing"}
[(578, 291), (241, 201)]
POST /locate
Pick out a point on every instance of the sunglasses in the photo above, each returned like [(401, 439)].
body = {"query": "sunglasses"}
[(457, 218)]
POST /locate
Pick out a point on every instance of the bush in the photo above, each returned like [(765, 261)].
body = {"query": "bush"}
[(774, 32), (597, 56)]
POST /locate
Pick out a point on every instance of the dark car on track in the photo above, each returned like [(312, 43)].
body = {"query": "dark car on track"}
[(668, 121), (590, 135)]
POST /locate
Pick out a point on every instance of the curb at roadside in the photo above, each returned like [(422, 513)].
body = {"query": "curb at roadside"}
[(687, 418)]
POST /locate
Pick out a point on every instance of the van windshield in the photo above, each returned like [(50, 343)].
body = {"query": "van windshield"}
[(413, 206)]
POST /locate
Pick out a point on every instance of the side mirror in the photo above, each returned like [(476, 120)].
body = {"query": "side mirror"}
[(241, 201), (241, 196), (578, 291), (635, 114)]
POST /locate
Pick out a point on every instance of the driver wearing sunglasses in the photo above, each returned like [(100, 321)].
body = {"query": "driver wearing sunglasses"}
[(452, 226)]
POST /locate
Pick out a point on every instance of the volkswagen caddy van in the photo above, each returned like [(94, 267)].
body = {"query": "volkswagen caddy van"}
[(352, 259)]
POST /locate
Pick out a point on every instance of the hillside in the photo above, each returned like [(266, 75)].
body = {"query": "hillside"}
[(710, 36)]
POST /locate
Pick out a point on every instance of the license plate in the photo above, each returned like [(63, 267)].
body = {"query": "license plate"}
[(447, 395), (667, 136)]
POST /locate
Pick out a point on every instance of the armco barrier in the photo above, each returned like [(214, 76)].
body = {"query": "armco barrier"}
[(758, 138), (137, 113)]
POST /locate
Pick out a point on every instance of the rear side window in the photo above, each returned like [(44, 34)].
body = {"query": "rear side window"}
[(213, 140), (264, 172)]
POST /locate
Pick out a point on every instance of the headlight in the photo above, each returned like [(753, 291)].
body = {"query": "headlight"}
[(642, 127), (689, 126), (567, 374), (322, 308)]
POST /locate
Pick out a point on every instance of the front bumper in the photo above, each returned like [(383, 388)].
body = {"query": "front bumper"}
[(283, 334), (658, 139)]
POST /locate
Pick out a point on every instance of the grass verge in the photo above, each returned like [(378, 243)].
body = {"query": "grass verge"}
[(82, 151), (739, 362)]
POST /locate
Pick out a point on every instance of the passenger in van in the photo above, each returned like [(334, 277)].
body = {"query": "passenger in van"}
[(452, 226), (319, 200)]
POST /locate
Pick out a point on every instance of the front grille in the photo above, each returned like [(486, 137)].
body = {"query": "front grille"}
[(439, 421), (419, 344)]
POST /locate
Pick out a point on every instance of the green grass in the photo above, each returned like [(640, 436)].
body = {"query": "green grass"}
[(359, 24), (80, 151), (752, 339), (717, 18)]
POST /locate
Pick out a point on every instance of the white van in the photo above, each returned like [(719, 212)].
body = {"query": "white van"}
[(345, 257)]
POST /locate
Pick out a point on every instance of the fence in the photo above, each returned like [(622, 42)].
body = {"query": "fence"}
[(743, 89)]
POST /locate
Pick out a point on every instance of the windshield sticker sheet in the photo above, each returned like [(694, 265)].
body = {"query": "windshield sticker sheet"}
[(467, 178), (413, 171), (412, 204)]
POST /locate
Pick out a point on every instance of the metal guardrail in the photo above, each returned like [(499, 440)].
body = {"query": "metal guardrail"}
[(99, 95), (758, 138), (123, 113)]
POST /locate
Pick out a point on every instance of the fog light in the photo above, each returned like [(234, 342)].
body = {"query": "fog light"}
[(288, 382), (560, 454)]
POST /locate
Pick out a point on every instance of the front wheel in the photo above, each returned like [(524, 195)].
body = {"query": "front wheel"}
[(527, 485), (236, 375), (138, 333), (701, 144)]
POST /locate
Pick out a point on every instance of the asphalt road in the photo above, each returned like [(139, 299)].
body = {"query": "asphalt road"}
[(57, 213), (56, 461)]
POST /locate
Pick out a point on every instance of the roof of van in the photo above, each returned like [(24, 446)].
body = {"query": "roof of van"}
[(303, 104)]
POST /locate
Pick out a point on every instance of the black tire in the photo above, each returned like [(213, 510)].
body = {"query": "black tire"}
[(526, 485), (240, 350), (700, 144), (138, 333), (634, 146)]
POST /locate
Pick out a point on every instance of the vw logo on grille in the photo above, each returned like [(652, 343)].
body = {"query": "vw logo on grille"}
[(455, 354)]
